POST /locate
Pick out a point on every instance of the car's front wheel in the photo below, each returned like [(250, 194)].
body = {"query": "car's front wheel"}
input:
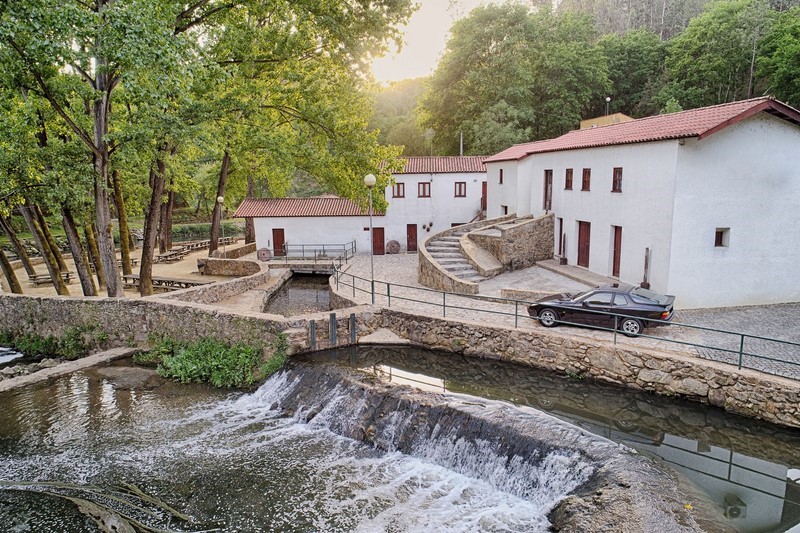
[(631, 327), (548, 317)]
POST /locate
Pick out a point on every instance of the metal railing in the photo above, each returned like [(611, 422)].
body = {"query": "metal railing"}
[(337, 254), (765, 354)]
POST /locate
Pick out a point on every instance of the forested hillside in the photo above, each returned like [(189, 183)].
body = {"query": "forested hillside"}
[(514, 74)]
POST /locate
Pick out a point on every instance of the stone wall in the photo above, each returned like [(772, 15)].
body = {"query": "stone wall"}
[(430, 274), (209, 294), (134, 321), (235, 252), (210, 266), (281, 276), (744, 391), (520, 245)]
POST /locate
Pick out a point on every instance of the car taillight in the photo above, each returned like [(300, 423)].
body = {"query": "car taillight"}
[(665, 315)]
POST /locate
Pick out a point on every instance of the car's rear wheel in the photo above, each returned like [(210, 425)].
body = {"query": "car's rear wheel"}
[(631, 327), (548, 317)]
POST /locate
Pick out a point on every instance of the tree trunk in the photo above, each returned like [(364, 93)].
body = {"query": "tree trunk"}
[(11, 276), (78, 253), (165, 223), (122, 217), (51, 241), (249, 226), (151, 222), (105, 240), (216, 214), (44, 248), (22, 253), (94, 252)]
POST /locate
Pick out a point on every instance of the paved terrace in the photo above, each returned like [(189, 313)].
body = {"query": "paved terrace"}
[(778, 321)]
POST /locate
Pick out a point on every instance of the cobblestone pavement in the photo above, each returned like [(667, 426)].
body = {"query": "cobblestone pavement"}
[(779, 321)]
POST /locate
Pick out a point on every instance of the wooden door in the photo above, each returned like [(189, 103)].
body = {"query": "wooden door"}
[(547, 204), (561, 237), (584, 233), (377, 241), (278, 242), (483, 196), (411, 237), (617, 251)]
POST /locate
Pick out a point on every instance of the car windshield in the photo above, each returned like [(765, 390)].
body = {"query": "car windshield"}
[(578, 296), (645, 296)]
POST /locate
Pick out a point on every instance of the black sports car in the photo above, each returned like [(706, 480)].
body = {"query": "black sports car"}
[(628, 308)]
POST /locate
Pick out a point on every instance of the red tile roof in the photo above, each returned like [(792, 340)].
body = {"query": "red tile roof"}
[(315, 206), (698, 123), (443, 165)]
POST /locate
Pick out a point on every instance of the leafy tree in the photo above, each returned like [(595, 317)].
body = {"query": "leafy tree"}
[(713, 60), (779, 63), (635, 66), (509, 76), (395, 116)]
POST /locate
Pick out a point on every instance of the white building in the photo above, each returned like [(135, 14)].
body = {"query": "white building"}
[(430, 194), (711, 196)]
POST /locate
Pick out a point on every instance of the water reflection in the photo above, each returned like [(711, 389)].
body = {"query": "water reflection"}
[(301, 294), (749, 468)]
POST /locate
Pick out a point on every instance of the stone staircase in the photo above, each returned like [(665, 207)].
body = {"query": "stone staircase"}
[(447, 252)]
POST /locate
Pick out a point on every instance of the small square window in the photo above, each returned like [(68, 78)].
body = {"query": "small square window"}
[(568, 180), (503, 209), (461, 189), (722, 237), (501, 176), (424, 189), (586, 183), (399, 190)]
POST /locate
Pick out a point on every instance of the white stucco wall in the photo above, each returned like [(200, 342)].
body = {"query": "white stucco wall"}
[(506, 194), (316, 230), (746, 178), (443, 208), (643, 209)]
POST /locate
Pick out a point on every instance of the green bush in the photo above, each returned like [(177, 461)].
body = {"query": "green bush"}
[(36, 346), (212, 361), (72, 345), (161, 348)]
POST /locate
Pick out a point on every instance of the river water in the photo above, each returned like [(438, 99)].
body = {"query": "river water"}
[(231, 463)]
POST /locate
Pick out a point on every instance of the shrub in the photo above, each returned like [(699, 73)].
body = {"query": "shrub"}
[(36, 346), (72, 345), (210, 360)]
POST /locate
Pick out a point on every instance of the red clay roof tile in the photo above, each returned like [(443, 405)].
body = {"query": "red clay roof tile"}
[(443, 164), (698, 123), (316, 206)]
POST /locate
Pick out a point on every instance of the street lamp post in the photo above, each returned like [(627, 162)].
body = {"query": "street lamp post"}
[(369, 181), (221, 202), (608, 101)]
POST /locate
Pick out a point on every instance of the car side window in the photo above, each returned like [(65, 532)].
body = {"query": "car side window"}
[(619, 299), (600, 298)]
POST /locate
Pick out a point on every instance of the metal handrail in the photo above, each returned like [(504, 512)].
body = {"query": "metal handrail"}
[(318, 252), (442, 303)]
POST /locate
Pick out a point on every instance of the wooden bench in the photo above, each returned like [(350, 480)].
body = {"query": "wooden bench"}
[(171, 256), (43, 279)]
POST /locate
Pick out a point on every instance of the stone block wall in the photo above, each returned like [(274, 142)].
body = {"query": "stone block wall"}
[(210, 266), (744, 392), (430, 274), (520, 245), (235, 252), (132, 322), (209, 294)]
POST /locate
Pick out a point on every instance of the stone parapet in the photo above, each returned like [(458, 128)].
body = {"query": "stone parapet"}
[(431, 274), (742, 391), (209, 294), (518, 245), (211, 266)]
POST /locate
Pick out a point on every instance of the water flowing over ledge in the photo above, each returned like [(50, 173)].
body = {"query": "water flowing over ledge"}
[(584, 482)]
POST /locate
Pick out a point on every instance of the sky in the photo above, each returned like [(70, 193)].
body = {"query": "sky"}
[(425, 38)]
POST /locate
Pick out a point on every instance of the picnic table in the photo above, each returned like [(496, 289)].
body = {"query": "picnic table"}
[(43, 279), (176, 254), (131, 281)]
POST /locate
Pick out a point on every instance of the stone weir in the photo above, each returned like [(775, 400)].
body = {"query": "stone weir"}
[(585, 482)]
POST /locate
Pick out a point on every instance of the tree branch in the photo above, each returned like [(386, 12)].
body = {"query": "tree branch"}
[(84, 74), (50, 97), (200, 18)]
